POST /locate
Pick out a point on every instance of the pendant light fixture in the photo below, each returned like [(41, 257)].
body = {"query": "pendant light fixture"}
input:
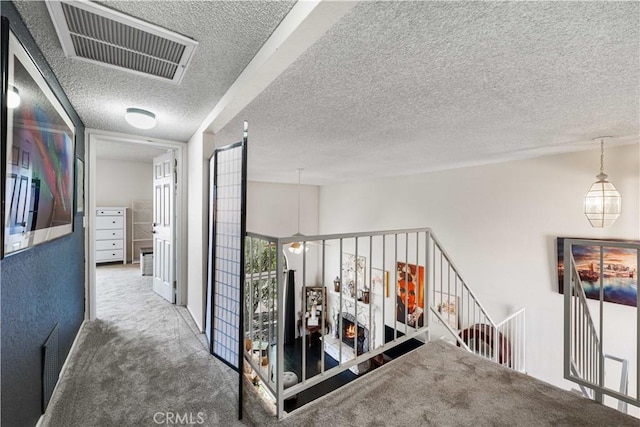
[(602, 203), (298, 247)]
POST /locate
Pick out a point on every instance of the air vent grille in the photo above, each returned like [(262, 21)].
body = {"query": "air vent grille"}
[(97, 34), (122, 58), (50, 366)]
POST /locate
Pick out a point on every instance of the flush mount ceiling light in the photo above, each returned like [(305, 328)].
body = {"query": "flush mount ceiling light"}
[(13, 97), (141, 119), (298, 247), (602, 203)]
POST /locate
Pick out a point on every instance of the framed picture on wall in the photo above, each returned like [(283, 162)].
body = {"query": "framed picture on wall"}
[(410, 297), (447, 307), (38, 143), (380, 279), (79, 185), (619, 275), (353, 274)]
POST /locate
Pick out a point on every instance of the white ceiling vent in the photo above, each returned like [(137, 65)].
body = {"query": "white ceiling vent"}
[(94, 33)]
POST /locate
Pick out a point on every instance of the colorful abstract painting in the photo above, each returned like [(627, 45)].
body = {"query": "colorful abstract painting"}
[(40, 178)]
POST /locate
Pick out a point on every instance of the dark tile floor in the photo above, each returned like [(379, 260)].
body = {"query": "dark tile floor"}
[(293, 363)]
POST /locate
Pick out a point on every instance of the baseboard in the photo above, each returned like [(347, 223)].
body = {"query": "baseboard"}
[(63, 370), (71, 351), (200, 328)]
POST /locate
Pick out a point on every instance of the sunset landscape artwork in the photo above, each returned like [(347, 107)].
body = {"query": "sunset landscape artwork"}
[(619, 272)]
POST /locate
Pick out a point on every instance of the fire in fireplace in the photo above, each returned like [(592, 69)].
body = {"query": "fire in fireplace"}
[(349, 334), (351, 331)]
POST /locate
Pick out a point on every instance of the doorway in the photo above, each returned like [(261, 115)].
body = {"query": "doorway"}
[(113, 162)]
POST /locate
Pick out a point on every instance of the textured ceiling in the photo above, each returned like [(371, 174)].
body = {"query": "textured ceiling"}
[(229, 35), (407, 87), (392, 88), (126, 151)]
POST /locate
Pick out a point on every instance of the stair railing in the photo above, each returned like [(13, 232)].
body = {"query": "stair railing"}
[(456, 306), (585, 348), (584, 356), (624, 379)]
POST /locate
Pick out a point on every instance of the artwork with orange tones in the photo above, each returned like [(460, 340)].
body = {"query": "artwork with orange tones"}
[(410, 294), (619, 271)]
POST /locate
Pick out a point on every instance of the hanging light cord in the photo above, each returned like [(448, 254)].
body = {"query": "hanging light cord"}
[(602, 156), (602, 176), (299, 170)]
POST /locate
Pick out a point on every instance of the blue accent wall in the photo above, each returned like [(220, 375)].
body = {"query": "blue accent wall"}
[(40, 287)]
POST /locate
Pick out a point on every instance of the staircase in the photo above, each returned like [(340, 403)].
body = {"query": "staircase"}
[(468, 324), (600, 278), (397, 281)]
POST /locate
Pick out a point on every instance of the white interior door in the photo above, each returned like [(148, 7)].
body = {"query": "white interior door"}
[(164, 259)]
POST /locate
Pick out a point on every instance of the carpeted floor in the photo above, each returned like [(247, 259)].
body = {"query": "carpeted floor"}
[(142, 359), (144, 364), (441, 385)]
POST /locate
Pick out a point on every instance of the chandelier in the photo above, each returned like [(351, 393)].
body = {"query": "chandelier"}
[(602, 203)]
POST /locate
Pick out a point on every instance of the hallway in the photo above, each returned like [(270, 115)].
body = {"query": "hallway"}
[(141, 363)]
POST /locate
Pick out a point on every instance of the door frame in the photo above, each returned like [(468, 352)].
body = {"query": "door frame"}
[(92, 137)]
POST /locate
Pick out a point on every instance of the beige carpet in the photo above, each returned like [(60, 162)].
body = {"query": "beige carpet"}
[(141, 362), (441, 385), (144, 364)]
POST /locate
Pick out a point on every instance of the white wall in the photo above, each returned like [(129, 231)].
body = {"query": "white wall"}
[(499, 223), (271, 210), (200, 148), (119, 182)]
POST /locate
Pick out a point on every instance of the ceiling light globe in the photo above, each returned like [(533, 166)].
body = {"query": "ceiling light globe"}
[(602, 203), (13, 97), (296, 248), (139, 118)]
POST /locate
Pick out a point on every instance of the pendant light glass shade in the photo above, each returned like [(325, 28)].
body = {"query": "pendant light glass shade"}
[(602, 203)]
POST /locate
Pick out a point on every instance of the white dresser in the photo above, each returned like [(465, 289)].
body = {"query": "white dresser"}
[(111, 223)]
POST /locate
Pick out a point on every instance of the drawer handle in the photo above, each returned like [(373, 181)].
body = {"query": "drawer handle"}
[(114, 222), (113, 244)]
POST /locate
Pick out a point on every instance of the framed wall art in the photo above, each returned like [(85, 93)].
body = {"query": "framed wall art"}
[(410, 298), (79, 185), (353, 274), (380, 278), (619, 275), (447, 307), (39, 148)]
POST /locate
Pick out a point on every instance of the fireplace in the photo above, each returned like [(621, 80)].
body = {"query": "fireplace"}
[(349, 332)]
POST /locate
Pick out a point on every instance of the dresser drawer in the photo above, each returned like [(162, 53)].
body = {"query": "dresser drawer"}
[(109, 222), (109, 234), (109, 212), (114, 255), (108, 244)]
